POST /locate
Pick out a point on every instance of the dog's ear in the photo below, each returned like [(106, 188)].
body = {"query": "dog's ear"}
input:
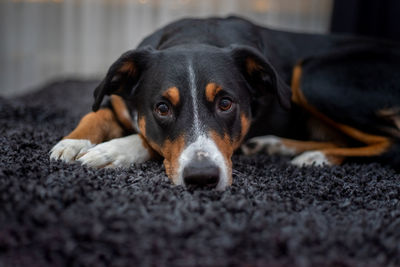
[(123, 75), (260, 74)]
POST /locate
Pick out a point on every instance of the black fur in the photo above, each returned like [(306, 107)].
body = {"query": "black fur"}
[(348, 79)]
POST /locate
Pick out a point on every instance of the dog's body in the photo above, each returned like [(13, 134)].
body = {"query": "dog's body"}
[(195, 89)]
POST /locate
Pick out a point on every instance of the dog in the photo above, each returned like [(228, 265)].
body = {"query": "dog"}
[(194, 91)]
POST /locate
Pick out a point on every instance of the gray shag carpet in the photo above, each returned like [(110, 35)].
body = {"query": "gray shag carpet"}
[(275, 214)]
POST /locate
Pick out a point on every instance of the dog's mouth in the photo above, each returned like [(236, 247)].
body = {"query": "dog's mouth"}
[(201, 164)]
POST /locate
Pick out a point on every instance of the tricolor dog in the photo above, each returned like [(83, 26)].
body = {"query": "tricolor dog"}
[(195, 90)]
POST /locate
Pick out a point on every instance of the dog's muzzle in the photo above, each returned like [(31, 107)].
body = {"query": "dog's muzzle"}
[(201, 164), (201, 171)]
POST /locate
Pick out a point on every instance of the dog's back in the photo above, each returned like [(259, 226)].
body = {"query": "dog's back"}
[(216, 32)]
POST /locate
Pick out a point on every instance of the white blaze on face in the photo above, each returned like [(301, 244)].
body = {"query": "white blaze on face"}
[(203, 146), (195, 104)]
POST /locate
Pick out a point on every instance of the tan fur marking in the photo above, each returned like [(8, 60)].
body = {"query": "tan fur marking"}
[(226, 147), (142, 126), (371, 150), (389, 112), (376, 145), (172, 94), (396, 121), (302, 146), (146, 145), (97, 127), (297, 96), (152, 147), (251, 66), (337, 155), (171, 151), (142, 129), (128, 67), (245, 125), (212, 90), (121, 111), (335, 159), (393, 115)]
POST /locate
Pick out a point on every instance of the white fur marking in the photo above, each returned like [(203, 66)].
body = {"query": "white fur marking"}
[(309, 158), (68, 150), (119, 152), (193, 91), (269, 144), (204, 147)]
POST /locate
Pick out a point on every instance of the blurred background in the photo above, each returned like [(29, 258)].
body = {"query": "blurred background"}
[(46, 40)]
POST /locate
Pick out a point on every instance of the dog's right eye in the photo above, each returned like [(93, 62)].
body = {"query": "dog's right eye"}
[(225, 104), (162, 109)]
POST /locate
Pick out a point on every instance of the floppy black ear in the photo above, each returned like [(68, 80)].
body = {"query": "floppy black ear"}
[(260, 74), (122, 76)]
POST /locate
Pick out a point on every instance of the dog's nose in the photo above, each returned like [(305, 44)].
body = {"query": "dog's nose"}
[(203, 173)]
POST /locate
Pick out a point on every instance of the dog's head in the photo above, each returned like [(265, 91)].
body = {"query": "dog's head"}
[(193, 105)]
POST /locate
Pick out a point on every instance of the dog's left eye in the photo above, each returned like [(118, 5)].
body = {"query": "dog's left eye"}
[(225, 104), (162, 109)]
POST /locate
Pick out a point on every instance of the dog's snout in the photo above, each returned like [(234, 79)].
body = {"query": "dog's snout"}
[(201, 172)]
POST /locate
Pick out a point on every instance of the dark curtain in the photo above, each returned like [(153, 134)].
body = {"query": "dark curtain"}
[(376, 18)]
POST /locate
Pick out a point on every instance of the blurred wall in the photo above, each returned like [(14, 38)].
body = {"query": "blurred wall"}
[(44, 40)]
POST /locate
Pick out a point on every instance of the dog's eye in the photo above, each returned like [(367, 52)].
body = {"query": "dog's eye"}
[(162, 109), (225, 104)]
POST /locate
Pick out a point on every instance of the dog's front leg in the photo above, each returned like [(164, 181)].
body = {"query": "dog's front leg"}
[(94, 128), (119, 152)]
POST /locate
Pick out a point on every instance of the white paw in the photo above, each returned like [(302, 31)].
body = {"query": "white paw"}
[(269, 144), (316, 158), (119, 152), (70, 149)]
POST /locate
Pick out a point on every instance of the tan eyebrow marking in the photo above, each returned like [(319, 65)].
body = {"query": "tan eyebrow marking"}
[(212, 90), (172, 94)]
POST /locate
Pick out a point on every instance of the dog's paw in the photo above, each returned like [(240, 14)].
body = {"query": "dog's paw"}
[(311, 158), (119, 152), (69, 150), (268, 144)]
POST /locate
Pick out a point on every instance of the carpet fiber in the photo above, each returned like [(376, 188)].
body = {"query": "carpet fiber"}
[(275, 214)]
